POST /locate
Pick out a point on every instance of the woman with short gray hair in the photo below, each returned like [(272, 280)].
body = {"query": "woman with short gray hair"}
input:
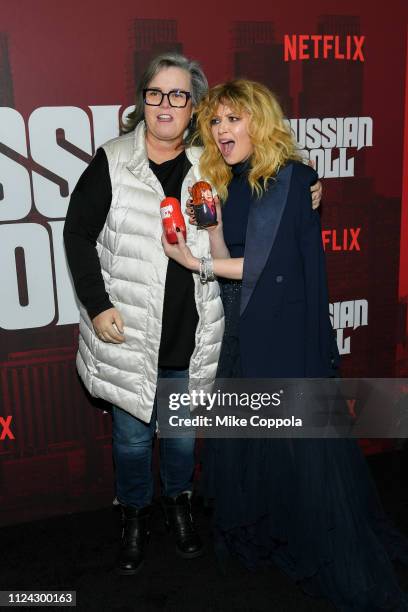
[(199, 85)]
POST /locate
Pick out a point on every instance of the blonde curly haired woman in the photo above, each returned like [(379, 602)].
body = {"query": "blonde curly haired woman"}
[(308, 505)]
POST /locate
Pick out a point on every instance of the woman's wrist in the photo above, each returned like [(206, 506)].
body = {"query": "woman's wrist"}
[(215, 230), (216, 235), (206, 270), (194, 264), (218, 248)]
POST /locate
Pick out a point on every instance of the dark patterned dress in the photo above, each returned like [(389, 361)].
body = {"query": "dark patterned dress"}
[(309, 506)]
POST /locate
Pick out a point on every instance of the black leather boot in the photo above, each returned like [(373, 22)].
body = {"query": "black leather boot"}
[(135, 533), (177, 512)]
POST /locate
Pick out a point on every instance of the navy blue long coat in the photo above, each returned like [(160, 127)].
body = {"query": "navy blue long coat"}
[(309, 505), (285, 329)]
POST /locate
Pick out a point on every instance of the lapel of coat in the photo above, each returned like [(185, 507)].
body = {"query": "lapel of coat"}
[(139, 164), (263, 223)]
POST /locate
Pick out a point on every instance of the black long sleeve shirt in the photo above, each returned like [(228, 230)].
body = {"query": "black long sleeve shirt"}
[(89, 206)]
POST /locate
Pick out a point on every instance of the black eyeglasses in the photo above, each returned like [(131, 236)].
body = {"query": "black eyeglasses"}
[(176, 97)]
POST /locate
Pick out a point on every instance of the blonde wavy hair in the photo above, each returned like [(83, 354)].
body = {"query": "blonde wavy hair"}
[(272, 139)]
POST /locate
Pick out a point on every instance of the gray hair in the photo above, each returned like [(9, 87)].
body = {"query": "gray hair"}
[(199, 84)]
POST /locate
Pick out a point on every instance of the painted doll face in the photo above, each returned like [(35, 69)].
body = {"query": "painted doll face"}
[(207, 195), (230, 130)]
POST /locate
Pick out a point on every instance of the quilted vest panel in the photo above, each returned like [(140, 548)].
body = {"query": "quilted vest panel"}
[(134, 269)]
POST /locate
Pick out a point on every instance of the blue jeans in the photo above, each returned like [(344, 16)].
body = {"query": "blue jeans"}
[(133, 452)]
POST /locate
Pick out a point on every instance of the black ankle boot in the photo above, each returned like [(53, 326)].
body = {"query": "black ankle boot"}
[(135, 534), (177, 512)]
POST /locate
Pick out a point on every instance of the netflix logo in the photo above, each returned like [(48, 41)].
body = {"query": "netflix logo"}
[(323, 46), (346, 239), (5, 428)]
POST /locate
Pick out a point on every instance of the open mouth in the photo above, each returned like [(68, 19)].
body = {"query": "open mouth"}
[(164, 117), (226, 147)]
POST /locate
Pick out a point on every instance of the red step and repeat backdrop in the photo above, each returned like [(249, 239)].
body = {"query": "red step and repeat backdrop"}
[(67, 72)]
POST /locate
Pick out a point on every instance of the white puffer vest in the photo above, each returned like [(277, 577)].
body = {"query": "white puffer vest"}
[(134, 269)]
